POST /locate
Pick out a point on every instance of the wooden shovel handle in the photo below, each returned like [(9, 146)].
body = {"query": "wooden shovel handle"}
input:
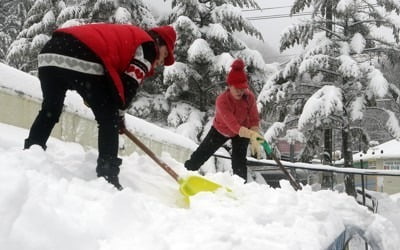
[(292, 181), (269, 151), (150, 153)]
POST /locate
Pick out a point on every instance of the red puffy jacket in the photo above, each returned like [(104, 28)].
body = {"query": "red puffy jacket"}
[(231, 114), (115, 44)]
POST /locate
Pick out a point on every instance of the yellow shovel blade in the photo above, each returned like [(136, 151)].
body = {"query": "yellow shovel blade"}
[(192, 185)]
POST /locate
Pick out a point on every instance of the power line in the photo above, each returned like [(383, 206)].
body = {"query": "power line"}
[(255, 18), (269, 8), (282, 56)]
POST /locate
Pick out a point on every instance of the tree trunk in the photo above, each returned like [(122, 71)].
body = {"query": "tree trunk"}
[(348, 160), (327, 181), (327, 158), (329, 15), (202, 101)]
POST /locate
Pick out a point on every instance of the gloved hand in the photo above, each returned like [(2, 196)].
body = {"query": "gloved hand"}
[(255, 140), (121, 122)]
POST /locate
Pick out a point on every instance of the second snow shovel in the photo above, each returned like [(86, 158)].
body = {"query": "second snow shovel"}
[(188, 186), (292, 180)]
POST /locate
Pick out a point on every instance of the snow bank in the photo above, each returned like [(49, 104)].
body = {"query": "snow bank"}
[(53, 200)]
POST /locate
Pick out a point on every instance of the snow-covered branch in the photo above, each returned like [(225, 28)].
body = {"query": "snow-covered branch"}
[(322, 103)]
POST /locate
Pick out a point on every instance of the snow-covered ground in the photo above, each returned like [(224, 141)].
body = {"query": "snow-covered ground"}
[(53, 200)]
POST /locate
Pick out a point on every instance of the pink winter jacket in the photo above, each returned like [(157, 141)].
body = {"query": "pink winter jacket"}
[(231, 114)]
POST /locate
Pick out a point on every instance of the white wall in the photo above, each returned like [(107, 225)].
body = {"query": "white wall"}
[(20, 100), (20, 110)]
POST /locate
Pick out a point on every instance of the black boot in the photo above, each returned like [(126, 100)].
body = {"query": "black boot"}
[(109, 169), (28, 143)]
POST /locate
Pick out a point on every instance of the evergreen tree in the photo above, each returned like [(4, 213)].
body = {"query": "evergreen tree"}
[(134, 12), (37, 29), (205, 46), (341, 41), (12, 17)]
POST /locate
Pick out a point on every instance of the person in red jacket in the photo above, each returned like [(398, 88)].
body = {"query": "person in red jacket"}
[(105, 64), (236, 118)]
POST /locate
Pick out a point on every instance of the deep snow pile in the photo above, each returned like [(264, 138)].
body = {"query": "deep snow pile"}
[(53, 200)]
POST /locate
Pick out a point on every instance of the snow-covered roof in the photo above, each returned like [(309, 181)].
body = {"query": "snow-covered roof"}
[(13, 79), (387, 150)]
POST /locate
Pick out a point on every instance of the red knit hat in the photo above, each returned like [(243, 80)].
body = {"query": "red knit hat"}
[(237, 77), (168, 34)]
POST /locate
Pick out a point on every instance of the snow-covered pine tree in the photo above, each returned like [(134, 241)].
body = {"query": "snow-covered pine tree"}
[(139, 12), (343, 51), (391, 70), (12, 18), (40, 22), (134, 12), (205, 48)]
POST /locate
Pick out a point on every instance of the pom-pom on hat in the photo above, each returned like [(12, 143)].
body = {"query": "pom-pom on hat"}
[(168, 34), (237, 77)]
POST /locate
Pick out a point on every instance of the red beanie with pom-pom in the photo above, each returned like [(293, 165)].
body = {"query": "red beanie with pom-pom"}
[(237, 77)]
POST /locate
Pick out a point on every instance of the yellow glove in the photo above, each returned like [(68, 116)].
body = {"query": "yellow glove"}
[(255, 140)]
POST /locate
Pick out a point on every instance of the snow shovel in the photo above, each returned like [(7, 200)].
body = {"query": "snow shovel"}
[(188, 186), (292, 180)]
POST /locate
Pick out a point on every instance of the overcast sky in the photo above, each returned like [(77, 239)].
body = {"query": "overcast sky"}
[(271, 27)]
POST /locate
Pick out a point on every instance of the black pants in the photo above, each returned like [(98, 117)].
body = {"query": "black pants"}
[(94, 90), (211, 143)]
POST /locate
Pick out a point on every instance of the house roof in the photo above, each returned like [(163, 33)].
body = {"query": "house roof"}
[(387, 150)]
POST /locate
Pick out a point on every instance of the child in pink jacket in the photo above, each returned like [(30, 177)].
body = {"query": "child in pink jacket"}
[(236, 118)]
